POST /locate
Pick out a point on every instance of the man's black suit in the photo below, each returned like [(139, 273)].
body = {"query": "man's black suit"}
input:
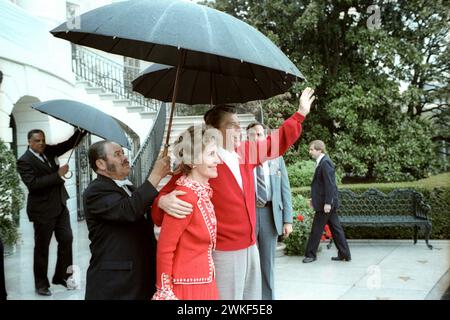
[(46, 208), (324, 191), (123, 245)]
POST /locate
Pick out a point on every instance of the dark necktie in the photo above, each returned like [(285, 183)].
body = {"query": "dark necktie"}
[(261, 191), (45, 159)]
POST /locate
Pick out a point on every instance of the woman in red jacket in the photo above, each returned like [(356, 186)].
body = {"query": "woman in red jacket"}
[(184, 263)]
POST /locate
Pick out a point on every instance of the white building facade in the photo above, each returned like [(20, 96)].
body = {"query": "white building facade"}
[(38, 67)]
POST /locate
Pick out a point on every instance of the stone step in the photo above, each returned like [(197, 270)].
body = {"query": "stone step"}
[(83, 84), (107, 96), (121, 102), (135, 109), (94, 90)]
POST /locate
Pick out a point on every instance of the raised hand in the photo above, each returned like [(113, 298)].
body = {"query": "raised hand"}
[(306, 101), (160, 170)]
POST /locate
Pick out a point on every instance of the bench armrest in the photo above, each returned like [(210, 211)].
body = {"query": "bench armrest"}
[(422, 210)]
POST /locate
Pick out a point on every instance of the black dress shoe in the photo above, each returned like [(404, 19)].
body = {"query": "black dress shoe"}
[(61, 282), (69, 283), (340, 259), (43, 292), (308, 259)]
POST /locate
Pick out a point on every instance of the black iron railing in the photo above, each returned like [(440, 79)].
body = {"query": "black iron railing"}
[(144, 160), (84, 173), (109, 75)]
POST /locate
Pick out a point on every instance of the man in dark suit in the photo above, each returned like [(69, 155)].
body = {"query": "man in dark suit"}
[(46, 206), (123, 250), (325, 203)]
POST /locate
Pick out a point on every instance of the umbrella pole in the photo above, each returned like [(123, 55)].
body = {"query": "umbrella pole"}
[(182, 56), (213, 87), (71, 152)]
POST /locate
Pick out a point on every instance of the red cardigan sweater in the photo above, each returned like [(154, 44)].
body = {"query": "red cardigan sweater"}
[(235, 208)]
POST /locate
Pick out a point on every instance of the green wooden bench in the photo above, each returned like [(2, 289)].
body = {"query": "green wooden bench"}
[(401, 207)]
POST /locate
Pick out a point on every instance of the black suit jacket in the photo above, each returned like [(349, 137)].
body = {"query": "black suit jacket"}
[(47, 195), (123, 244), (323, 186)]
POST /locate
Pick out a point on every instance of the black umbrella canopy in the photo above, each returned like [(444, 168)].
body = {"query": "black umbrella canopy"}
[(158, 30), (84, 117), (202, 87)]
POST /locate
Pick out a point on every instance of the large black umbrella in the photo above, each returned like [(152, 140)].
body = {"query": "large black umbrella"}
[(182, 34), (203, 87), (84, 117)]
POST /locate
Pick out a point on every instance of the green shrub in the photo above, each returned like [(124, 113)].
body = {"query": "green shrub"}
[(436, 193), (11, 196), (301, 173), (301, 228)]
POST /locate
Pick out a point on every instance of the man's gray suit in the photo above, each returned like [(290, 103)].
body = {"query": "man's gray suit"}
[(269, 223)]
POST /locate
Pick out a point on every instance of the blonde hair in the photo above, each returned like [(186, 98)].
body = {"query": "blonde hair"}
[(189, 146), (318, 145)]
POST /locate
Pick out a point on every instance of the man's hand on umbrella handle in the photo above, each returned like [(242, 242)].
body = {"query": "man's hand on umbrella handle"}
[(81, 132), (327, 208), (63, 170), (306, 100), (160, 170), (173, 206)]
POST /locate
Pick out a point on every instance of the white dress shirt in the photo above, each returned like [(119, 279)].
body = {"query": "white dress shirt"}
[(39, 156), (231, 159), (123, 184), (319, 158)]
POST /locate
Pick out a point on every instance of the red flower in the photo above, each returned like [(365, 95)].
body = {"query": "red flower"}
[(300, 218), (328, 232)]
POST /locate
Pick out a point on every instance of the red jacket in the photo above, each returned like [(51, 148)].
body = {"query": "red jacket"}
[(235, 208), (185, 246)]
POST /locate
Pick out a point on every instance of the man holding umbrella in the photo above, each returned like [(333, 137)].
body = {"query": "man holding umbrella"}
[(46, 206), (123, 251)]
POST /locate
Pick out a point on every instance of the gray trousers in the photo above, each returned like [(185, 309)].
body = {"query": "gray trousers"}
[(238, 274), (266, 236)]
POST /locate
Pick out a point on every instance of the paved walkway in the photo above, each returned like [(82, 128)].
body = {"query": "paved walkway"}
[(380, 269)]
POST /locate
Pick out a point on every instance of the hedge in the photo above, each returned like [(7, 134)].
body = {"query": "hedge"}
[(11, 196), (436, 192)]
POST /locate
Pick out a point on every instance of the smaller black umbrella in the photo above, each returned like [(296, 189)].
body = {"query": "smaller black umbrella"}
[(203, 87), (84, 117)]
